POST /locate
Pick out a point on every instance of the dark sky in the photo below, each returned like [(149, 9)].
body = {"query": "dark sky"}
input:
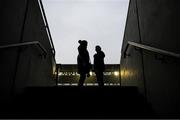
[(100, 22)]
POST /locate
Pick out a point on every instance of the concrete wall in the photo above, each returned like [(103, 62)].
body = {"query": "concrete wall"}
[(21, 67), (158, 27), (11, 26), (131, 67)]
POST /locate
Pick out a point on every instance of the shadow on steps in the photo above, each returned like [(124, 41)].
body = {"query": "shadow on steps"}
[(76, 102)]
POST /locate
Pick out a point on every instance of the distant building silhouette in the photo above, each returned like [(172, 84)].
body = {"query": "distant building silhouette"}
[(68, 76)]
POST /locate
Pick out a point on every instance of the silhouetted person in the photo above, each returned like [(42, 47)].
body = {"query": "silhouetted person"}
[(99, 66), (83, 61)]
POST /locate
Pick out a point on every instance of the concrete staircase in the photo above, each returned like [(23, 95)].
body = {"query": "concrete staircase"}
[(75, 102)]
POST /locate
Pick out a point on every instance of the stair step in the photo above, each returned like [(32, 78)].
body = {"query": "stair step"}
[(84, 102)]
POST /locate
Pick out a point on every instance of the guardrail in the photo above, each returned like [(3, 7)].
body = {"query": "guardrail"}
[(149, 48), (47, 26), (36, 43)]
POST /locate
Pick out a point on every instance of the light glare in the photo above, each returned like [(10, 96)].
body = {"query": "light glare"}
[(116, 73)]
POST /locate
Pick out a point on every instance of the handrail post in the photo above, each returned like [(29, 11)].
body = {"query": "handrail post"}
[(120, 74), (125, 54), (57, 74)]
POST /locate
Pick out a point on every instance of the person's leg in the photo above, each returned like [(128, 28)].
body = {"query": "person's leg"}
[(82, 79), (99, 77), (101, 80)]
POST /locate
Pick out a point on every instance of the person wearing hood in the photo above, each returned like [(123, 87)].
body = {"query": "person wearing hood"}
[(83, 61), (99, 66)]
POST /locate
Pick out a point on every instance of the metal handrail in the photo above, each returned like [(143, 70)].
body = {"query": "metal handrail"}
[(47, 26), (149, 48), (26, 44)]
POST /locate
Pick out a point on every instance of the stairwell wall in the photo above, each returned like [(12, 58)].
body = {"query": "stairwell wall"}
[(159, 27), (131, 67), (22, 67)]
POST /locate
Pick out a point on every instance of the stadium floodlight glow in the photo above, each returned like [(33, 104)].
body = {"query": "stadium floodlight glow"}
[(66, 84), (116, 73), (74, 84), (60, 73), (91, 73), (60, 84)]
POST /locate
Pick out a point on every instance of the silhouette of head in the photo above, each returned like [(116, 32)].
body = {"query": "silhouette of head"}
[(83, 43), (79, 41), (98, 48)]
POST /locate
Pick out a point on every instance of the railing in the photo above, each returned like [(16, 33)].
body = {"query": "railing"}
[(149, 48), (36, 43), (47, 26)]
